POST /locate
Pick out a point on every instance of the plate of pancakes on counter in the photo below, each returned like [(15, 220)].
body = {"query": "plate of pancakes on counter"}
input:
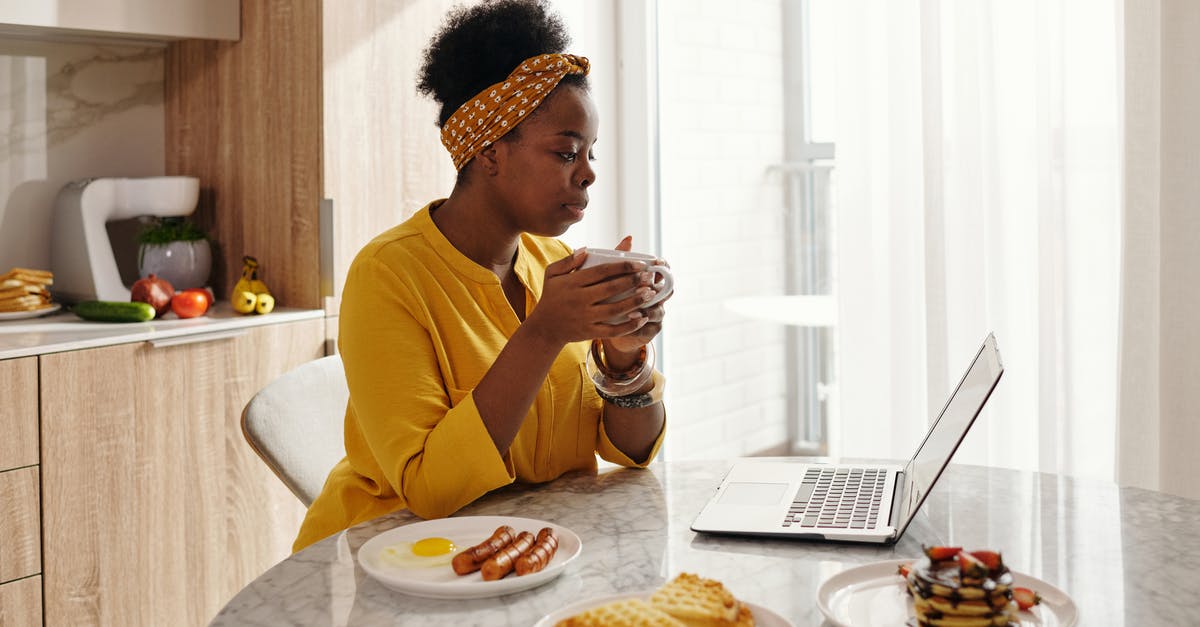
[(686, 600), (469, 557), (947, 587), (25, 293)]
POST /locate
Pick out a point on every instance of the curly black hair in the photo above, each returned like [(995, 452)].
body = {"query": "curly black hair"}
[(480, 45)]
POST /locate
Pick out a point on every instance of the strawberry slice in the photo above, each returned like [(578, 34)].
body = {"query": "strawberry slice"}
[(971, 566), (991, 559), (1026, 598), (938, 553), (904, 569)]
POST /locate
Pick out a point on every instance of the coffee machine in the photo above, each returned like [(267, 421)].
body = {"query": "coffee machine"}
[(81, 251)]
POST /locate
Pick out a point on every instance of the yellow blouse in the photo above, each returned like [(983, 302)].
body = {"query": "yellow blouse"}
[(420, 324)]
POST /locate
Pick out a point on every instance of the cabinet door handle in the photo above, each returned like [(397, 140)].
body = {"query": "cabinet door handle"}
[(195, 339)]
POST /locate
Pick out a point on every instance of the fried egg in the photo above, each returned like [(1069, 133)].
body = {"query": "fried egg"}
[(424, 553)]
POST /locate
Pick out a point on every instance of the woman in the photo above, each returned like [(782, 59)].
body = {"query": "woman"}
[(464, 331)]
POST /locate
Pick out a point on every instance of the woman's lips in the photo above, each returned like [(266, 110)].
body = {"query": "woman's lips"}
[(576, 209)]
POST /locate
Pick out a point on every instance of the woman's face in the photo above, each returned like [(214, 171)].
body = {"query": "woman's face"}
[(545, 170)]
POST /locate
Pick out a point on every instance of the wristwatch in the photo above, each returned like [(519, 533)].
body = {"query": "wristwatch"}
[(636, 401)]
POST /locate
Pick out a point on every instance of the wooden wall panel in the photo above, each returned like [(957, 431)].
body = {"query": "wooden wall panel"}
[(384, 158), (245, 117), (19, 413)]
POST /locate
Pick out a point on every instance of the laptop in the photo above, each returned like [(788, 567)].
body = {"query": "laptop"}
[(849, 502)]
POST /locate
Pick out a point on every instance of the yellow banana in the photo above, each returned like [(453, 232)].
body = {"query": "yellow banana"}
[(251, 294)]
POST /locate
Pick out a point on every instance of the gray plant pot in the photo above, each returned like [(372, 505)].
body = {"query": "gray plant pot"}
[(183, 264)]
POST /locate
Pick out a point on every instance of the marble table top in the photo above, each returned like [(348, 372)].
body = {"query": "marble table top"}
[(1125, 556)]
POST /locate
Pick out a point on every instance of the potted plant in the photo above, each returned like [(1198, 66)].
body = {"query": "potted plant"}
[(175, 250)]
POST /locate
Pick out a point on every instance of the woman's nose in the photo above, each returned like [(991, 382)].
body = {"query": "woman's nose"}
[(586, 174)]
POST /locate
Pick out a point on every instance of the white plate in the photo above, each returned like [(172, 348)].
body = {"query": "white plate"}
[(762, 616), (440, 582), (21, 315), (874, 594)]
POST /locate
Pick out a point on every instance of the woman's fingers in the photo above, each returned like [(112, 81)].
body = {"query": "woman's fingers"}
[(566, 264)]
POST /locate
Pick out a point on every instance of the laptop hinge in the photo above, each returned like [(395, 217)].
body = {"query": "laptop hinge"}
[(898, 497)]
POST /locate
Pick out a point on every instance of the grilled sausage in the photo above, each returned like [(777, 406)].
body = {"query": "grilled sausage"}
[(505, 559), (473, 558), (540, 555)]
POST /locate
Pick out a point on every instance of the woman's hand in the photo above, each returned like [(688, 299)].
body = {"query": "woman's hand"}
[(571, 308), (622, 350)]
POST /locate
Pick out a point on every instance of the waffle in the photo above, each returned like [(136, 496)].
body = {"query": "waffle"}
[(700, 602), (624, 613), (686, 601)]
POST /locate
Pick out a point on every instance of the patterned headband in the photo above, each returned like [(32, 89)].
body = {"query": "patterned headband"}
[(499, 108)]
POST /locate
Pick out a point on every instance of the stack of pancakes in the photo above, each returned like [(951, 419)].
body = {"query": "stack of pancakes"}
[(688, 600), (947, 593), (23, 289)]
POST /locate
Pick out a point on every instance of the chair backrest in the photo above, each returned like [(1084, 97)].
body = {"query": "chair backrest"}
[(295, 424)]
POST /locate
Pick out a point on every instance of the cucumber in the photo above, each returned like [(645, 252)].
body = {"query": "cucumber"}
[(113, 311)]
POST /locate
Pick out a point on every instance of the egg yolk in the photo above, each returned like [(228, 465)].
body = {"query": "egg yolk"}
[(430, 547)]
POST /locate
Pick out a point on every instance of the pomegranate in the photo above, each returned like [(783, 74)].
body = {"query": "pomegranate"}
[(154, 291)]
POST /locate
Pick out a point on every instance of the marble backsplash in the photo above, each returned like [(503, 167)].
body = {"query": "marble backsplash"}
[(71, 111)]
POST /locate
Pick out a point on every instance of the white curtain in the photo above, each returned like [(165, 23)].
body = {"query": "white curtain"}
[(978, 189), (1159, 426)]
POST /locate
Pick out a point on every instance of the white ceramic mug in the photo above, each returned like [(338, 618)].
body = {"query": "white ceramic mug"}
[(663, 284)]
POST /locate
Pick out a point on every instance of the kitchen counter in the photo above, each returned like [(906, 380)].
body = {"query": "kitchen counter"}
[(64, 331)]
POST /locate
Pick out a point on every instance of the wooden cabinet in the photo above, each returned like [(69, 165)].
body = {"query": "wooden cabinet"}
[(128, 19), (21, 603), (20, 544), (315, 101), (20, 528), (18, 413), (155, 511)]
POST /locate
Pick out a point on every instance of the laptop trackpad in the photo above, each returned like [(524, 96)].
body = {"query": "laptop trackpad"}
[(743, 493)]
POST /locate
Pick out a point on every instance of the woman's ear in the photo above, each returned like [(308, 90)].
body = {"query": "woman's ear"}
[(489, 160)]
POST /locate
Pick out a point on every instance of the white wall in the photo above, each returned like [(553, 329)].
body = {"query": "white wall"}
[(70, 111), (721, 121)]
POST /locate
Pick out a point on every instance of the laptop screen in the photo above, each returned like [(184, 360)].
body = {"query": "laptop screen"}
[(951, 426)]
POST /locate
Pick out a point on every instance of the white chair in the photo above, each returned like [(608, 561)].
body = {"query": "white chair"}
[(295, 425)]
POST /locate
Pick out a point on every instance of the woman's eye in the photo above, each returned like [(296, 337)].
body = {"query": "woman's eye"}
[(569, 157)]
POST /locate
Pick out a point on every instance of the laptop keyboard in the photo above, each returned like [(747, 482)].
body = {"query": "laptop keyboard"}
[(838, 498)]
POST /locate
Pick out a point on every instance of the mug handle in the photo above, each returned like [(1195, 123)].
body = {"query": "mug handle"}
[(663, 288)]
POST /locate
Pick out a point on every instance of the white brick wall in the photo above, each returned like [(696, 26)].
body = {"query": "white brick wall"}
[(721, 123)]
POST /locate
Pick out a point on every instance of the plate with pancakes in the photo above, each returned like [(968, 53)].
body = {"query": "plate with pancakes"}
[(686, 600), (25, 293), (939, 593)]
